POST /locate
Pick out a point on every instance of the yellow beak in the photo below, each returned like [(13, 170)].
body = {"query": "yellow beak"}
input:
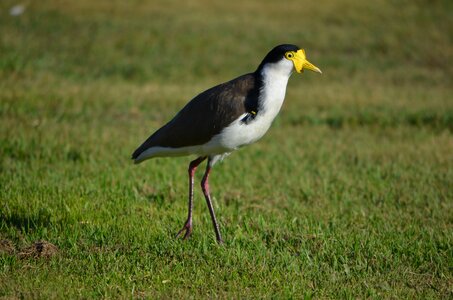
[(300, 62)]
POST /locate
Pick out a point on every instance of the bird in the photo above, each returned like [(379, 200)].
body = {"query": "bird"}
[(225, 118)]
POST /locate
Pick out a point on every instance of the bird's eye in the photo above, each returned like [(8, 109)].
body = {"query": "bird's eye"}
[(289, 55)]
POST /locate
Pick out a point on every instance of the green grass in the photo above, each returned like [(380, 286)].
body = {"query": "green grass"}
[(349, 195)]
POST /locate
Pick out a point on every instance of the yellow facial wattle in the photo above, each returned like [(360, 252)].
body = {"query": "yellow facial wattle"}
[(300, 61)]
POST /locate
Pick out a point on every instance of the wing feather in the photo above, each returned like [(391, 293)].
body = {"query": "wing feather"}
[(206, 115)]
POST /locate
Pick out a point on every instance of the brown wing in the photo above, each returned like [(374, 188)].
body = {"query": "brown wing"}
[(206, 115)]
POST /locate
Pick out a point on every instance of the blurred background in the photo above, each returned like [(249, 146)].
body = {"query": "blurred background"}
[(386, 55), (361, 154), (140, 41)]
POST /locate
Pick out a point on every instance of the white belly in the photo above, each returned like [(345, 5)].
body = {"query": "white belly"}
[(239, 134)]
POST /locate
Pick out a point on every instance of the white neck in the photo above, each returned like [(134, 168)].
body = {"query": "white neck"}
[(275, 79)]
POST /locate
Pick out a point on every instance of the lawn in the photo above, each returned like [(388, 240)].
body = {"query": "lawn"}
[(349, 195)]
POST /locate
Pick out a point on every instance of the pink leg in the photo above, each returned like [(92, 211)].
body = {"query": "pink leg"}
[(188, 225), (205, 188)]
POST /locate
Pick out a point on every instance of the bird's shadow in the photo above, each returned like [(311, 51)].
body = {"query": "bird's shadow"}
[(157, 199), (157, 196)]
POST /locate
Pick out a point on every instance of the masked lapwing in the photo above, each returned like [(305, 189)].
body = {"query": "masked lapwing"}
[(225, 118)]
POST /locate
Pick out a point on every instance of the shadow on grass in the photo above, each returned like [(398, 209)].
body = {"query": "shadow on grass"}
[(155, 196), (157, 199), (27, 222)]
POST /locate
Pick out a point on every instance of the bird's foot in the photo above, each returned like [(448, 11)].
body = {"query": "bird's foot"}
[(187, 228)]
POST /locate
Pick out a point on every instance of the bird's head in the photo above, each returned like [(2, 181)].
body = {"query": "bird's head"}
[(289, 57)]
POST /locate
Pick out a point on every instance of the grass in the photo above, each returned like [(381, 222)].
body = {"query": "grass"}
[(349, 195)]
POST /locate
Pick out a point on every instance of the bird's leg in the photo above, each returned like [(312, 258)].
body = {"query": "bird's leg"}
[(205, 188), (188, 225)]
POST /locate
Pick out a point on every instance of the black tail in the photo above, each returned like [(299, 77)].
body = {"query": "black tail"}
[(150, 142), (138, 151)]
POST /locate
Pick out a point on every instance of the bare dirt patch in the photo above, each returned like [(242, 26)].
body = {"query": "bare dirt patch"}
[(6, 246), (39, 249)]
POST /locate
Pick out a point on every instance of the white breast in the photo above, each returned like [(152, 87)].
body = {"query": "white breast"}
[(238, 133)]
